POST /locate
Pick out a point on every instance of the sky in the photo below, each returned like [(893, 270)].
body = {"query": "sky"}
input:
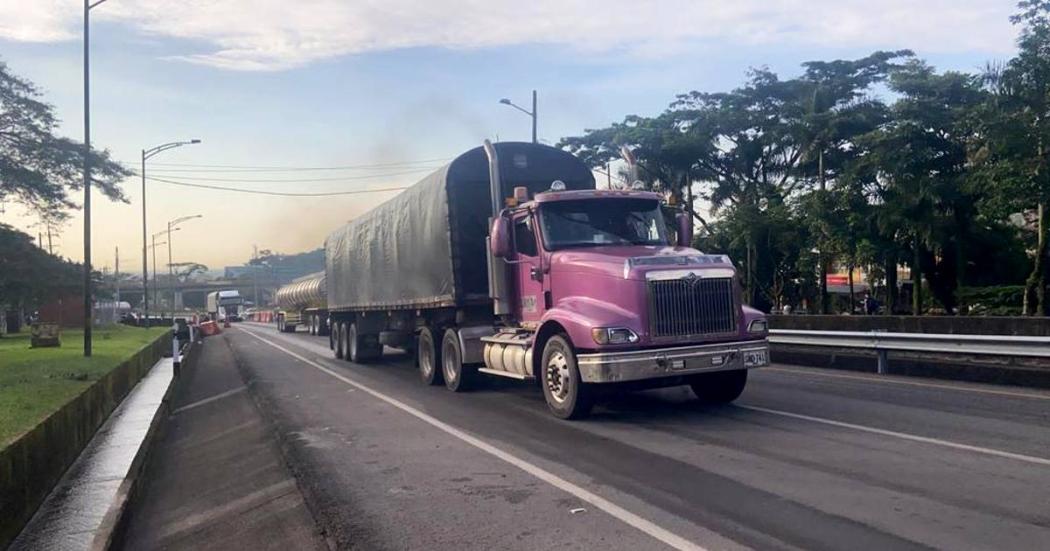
[(403, 85)]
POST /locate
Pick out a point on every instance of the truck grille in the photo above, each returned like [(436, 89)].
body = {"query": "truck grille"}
[(692, 306)]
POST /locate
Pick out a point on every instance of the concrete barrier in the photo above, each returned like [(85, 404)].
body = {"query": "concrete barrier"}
[(32, 465)]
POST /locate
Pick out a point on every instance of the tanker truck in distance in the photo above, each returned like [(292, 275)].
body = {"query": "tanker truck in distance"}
[(302, 302), (508, 262)]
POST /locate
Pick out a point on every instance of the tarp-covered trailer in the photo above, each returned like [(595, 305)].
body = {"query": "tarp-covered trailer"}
[(421, 256), (302, 302)]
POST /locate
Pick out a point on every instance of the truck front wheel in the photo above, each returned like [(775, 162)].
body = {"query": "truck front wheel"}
[(720, 387), (568, 397)]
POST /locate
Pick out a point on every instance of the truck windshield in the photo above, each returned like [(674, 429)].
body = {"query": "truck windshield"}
[(602, 222)]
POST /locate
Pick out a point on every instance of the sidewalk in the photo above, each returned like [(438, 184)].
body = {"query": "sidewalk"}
[(216, 478)]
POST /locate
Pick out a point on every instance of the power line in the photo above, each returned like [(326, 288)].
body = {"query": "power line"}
[(272, 193), (272, 168), (300, 180)]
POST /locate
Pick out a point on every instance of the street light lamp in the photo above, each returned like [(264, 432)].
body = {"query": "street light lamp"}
[(171, 271), (532, 113), (88, 313), (146, 154)]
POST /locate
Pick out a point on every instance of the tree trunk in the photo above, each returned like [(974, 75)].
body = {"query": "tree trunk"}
[(1035, 287), (916, 280), (891, 284), (852, 304), (824, 306), (750, 292)]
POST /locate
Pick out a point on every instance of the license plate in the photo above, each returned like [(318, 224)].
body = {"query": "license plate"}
[(756, 358)]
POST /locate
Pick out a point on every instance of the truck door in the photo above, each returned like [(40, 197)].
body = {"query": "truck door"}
[(529, 274)]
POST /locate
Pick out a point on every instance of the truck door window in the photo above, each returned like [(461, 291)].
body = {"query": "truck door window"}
[(524, 239)]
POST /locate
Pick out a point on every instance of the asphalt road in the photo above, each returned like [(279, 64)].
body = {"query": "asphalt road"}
[(805, 459)]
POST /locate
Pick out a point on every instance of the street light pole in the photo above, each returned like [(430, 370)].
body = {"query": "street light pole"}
[(172, 226), (532, 113), (153, 248), (533, 116), (88, 314), (146, 154)]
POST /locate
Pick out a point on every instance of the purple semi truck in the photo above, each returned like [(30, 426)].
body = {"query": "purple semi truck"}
[(508, 262)]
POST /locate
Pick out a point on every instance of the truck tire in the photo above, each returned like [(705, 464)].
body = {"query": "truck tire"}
[(428, 356), (310, 326), (339, 340), (359, 349), (280, 324), (720, 387), (458, 377), (568, 397)]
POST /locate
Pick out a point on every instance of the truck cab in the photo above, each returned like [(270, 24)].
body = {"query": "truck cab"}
[(603, 291)]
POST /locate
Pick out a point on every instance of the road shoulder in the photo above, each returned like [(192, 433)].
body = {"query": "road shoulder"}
[(216, 478)]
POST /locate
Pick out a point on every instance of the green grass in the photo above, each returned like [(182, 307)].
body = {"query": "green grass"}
[(34, 382)]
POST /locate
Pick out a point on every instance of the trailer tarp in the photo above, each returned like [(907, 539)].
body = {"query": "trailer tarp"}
[(426, 246)]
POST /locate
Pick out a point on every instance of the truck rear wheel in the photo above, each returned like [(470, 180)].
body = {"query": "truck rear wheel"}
[(359, 348), (338, 338), (568, 397), (720, 387), (428, 356), (458, 377)]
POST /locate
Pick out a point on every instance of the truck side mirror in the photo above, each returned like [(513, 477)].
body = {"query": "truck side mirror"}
[(499, 237), (685, 229)]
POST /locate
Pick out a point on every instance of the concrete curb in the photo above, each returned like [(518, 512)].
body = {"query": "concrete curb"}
[(110, 532), (32, 465)]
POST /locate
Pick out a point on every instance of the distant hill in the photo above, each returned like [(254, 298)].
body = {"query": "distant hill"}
[(278, 268)]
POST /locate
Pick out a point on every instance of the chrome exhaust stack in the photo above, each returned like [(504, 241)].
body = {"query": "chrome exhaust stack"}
[(497, 268)]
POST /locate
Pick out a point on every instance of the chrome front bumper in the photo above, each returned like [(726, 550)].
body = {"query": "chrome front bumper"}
[(636, 365)]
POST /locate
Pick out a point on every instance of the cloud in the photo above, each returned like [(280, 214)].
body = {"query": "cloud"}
[(282, 34)]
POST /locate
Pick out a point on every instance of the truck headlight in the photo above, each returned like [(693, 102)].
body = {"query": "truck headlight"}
[(613, 335), (758, 327)]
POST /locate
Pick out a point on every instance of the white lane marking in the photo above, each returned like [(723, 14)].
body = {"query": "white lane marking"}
[(911, 383), (904, 436), (208, 400), (609, 507)]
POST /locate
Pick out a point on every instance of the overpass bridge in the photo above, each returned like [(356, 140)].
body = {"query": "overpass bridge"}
[(192, 294)]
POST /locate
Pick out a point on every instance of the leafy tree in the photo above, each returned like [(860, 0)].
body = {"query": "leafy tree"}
[(184, 271), (37, 168), (31, 276), (921, 157), (1018, 140)]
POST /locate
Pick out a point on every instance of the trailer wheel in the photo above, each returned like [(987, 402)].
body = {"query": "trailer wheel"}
[(568, 397), (458, 377), (338, 334), (428, 356), (359, 349), (720, 387)]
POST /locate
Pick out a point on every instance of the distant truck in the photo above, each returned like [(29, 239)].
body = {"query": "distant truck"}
[(225, 305), (509, 262), (302, 302)]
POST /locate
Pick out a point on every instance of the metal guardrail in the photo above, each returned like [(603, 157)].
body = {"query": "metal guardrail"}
[(883, 342)]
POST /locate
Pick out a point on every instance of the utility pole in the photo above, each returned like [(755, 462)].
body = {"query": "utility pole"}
[(255, 275), (116, 274), (608, 175)]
